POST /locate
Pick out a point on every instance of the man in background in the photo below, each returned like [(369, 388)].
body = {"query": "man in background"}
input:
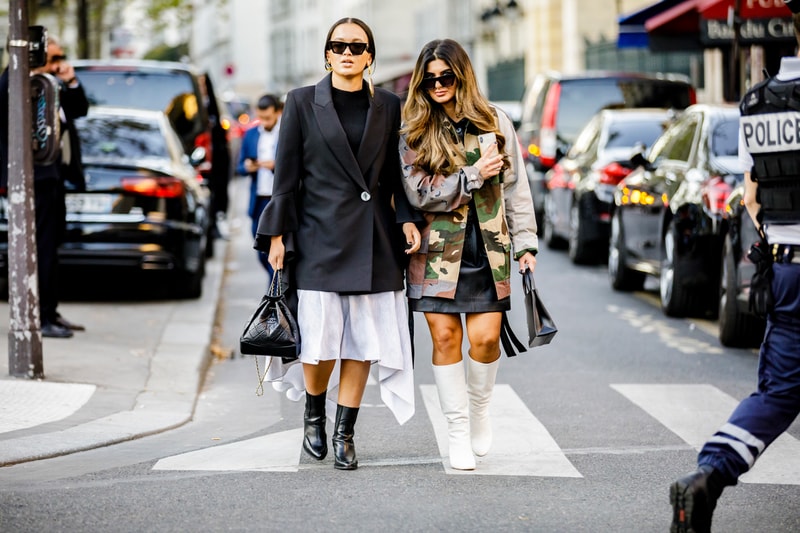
[(257, 159)]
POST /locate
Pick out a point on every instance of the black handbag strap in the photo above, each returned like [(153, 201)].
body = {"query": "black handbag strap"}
[(508, 339), (528, 284), (276, 285)]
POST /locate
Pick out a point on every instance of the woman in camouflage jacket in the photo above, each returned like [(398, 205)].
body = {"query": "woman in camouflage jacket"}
[(477, 208)]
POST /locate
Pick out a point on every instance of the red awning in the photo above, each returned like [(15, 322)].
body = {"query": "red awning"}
[(685, 17), (748, 9)]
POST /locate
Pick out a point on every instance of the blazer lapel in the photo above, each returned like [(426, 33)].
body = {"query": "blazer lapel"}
[(374, 135), (332, 131)]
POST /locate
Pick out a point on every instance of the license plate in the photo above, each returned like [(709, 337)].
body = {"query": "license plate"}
[(89, 203)]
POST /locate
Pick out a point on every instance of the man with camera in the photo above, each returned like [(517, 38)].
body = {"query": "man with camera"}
[(48, 183)]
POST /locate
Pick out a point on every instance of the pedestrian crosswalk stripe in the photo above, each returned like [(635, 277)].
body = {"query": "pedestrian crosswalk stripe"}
[(278, 452), (696, 412), (522, 445)]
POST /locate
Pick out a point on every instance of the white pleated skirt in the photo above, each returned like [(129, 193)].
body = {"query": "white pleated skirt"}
[(362, 327)]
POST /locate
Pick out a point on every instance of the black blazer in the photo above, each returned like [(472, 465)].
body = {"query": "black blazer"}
[(347, 237)]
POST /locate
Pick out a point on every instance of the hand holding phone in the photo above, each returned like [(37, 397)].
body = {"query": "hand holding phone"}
[(491, 162)]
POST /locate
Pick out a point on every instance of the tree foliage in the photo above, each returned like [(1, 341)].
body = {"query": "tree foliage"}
[(168, 53)]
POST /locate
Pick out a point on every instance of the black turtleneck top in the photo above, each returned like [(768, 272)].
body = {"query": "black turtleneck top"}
[(352, 109)]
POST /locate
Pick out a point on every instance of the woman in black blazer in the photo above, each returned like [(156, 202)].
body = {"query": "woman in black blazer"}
[(337, 207)]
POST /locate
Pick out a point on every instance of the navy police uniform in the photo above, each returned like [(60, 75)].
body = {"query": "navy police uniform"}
[(770, 146), (770, 133)]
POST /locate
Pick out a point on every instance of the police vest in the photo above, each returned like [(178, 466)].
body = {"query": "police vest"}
[(770, 125)]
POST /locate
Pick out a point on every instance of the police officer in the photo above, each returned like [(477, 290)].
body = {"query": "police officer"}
[(769, 145)]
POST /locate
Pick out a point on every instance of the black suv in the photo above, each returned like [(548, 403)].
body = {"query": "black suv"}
[(556, 107), (187, 97)]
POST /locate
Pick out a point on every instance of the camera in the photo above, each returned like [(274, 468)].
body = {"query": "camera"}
[(37, 46)]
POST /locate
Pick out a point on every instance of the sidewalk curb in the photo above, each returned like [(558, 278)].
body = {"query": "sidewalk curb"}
[(177, 372)]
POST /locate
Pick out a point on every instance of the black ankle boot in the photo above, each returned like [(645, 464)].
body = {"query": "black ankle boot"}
[(344, 450), (315, 439), (693, 499)]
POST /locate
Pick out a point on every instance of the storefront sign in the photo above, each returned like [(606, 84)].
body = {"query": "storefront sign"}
[(752, 31)]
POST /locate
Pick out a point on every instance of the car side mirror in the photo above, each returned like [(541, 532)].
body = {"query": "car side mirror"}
[(198, 156)]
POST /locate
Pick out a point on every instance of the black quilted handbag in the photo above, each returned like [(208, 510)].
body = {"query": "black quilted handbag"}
[(272, 330)]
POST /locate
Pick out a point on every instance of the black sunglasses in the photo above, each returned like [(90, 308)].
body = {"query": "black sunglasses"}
[(338, 47), (56, 59), (445, 80)]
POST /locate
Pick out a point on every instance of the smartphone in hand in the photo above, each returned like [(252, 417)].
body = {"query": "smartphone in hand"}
[(485, 140)]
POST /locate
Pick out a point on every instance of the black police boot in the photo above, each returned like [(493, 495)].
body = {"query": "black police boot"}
[(315, 439), (693, 499), (344, 450)]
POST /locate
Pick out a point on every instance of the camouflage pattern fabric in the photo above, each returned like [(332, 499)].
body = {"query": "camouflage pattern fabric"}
[(433, 270)]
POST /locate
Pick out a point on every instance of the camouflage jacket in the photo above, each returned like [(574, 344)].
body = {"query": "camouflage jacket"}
[(504, 210)]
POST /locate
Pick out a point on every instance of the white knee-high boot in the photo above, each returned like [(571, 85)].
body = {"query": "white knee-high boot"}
[(451, 384), (480, 384)]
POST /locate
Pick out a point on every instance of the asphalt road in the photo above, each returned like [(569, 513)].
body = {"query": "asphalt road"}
[(589, 430)]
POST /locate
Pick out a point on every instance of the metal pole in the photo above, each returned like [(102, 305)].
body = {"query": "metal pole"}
[(24, 335), (733, 71)]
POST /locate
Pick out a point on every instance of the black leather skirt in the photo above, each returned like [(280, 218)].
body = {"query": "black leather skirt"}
[(475, 292)]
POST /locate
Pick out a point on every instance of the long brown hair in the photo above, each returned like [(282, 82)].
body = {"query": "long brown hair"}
[(424, 120)]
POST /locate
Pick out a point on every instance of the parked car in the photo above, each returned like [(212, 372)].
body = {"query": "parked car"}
[(555, 108), (144, 207), (188, 98), (738, 327), (667, 219), (581, 185)]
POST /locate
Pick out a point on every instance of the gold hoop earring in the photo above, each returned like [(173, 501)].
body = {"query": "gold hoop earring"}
[(370, 70), (328, 67)]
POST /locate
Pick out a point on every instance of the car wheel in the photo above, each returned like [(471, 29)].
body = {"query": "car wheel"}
[(189, 285), (676, 299), (737, 329), (620, 276), (581, 251), (551, 239)]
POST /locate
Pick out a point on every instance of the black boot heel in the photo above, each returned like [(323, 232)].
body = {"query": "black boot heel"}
[(315, 439), (344, 450)]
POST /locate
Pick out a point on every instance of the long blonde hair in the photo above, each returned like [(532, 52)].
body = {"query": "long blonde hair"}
[(424, 121)]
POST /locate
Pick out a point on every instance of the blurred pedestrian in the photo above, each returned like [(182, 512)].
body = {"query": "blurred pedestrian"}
[(772, 199), (219, 176), (48, 184), (477, 204), (336, 207), (257, 159)]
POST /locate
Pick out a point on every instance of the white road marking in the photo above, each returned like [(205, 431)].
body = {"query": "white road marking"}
[(278, 452), (24, 404), (667, 330), (696, 412), (522, 445)]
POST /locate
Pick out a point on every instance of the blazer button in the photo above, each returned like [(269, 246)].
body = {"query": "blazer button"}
[(365, 196)]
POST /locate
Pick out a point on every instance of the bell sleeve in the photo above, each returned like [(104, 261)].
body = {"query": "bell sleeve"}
[(280, 216)]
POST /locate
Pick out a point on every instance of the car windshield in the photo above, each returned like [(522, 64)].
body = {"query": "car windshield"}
[(134, 89), (120, 138), (629, 133), (580, 99), (725, 138)]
